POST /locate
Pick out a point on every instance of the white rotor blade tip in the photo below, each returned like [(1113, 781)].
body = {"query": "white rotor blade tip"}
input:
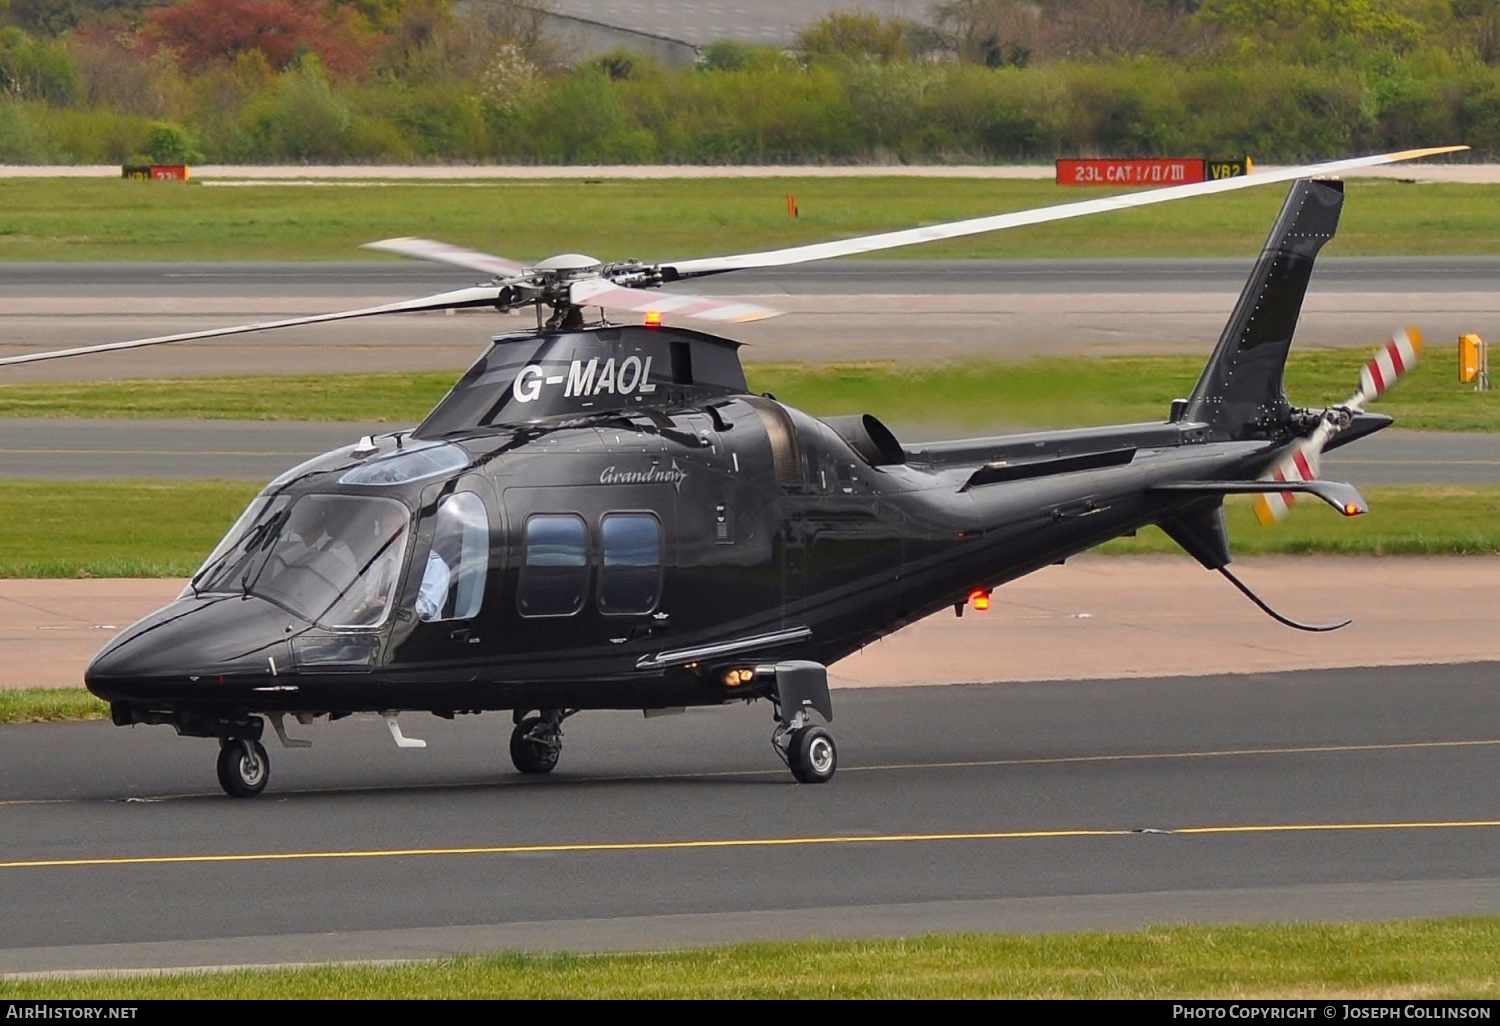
[(1390, 362), (446, 253)]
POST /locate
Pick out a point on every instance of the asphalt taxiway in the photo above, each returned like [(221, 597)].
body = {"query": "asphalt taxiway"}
[(81, 449), (909, 311), (1348, 794)]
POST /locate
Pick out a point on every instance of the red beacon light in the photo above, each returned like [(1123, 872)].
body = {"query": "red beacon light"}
[(979, 598), (653, 319)]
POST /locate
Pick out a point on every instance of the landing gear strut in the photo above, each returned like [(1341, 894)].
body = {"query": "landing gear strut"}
[(536, 743), (806, 748), (244, 767), (810, 753)]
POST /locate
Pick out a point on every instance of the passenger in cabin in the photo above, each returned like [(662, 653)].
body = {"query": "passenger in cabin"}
[(433, 595)]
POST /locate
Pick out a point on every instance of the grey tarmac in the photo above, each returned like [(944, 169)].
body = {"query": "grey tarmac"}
[(1058, 805), (908, 311)]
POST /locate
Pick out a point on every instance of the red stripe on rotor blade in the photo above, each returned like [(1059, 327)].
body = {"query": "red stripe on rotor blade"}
[(1300, 458), (1376, 377), (1396, 361)]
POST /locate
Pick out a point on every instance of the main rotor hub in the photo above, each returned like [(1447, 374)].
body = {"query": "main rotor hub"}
[(570, 266)]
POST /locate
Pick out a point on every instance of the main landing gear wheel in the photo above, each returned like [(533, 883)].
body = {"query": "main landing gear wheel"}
[(535, 745), (812, 755), (244, 768)]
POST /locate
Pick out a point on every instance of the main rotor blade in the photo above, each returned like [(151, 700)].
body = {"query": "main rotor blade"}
[(1040, 215), (598, 292), (480, 295), (444, 253)]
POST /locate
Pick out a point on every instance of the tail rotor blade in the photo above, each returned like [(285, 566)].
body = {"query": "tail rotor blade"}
[(1301, 464), (1389, 364)]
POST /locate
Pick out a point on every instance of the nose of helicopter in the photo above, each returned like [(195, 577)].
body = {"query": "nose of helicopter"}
[(192, 644)]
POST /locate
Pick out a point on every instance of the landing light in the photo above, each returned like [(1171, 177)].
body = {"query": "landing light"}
[(734, 678), (653, 319), (979, 598)]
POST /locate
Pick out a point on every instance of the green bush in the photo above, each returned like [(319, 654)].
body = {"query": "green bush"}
[(21, 140), (761, 105), (300, 118), (167, 143), (37, 69)]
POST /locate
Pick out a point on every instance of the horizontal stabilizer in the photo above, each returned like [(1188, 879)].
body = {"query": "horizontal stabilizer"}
[(1343, 497), (994, 473)]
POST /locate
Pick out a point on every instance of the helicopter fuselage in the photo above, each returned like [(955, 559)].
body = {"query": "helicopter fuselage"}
[(624, 552)]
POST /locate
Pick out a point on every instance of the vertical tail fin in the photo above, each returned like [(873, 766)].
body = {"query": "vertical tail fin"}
[(1240, 394)]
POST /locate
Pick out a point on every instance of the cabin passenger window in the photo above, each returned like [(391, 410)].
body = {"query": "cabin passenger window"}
[(554, 572), (454, 573), (630, 581)]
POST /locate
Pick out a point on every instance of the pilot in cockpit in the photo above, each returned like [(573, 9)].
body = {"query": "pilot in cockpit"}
[(308, 543)]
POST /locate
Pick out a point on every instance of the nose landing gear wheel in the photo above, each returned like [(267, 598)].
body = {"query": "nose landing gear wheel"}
[(812, 755), (535, 745), (243, 768)]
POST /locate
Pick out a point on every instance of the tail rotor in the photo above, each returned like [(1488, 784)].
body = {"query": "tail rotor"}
[(1300, 463)]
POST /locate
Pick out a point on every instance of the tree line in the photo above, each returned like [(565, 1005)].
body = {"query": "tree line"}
[(262, 81)]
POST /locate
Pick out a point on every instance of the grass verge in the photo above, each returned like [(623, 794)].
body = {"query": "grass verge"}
[(47, 705), (1411, 960), (114, 528), (1056, 392), (616, 219), (166, 528), (1407, 520)]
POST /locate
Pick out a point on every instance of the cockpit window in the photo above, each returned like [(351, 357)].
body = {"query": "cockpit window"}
[(240, 550), (453, 577), (331, 559)]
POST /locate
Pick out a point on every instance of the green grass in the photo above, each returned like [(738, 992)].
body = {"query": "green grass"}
[(1054, 392), (398, 398), (1410, 520), (93, 219), (43, 705), (1412, 960), (114, 528), (166, 528)]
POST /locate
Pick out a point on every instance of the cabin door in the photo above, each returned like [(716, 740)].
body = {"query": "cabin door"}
[(452, 588)]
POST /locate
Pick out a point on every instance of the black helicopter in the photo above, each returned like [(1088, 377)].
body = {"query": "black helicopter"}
[(603, 516)]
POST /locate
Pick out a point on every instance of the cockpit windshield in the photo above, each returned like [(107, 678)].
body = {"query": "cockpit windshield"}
[(331, 559)]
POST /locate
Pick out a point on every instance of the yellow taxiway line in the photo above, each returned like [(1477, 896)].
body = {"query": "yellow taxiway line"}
[(746, 842)]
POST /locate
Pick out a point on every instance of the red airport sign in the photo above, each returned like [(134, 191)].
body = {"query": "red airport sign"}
[(1154, 171)]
